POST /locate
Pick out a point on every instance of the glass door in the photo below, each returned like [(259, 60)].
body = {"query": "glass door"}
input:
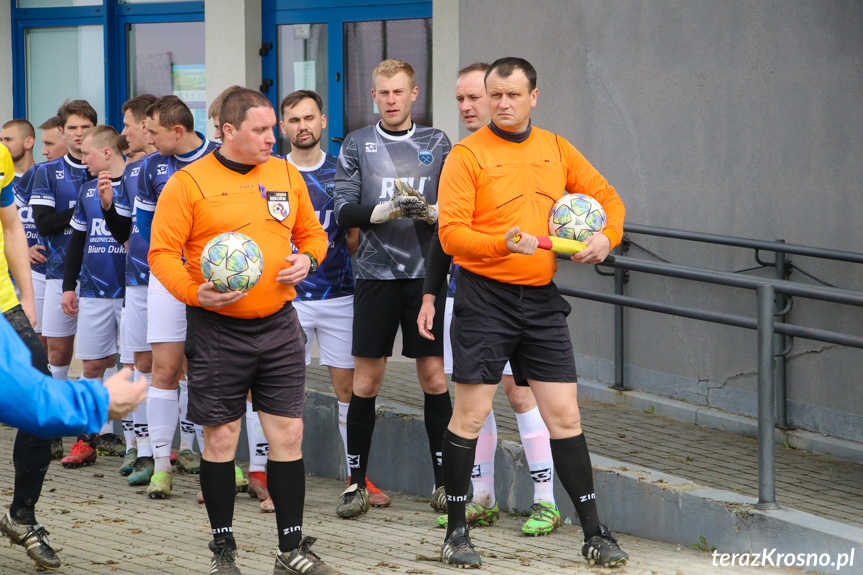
[(331, 48)]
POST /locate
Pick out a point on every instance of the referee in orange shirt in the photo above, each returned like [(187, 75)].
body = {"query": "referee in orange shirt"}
[(237, 341), (498, 182)]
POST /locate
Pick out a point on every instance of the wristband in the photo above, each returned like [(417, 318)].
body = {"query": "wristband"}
[(314, 260)]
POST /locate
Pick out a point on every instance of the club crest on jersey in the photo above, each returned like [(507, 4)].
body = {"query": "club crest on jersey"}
[(162, 169), (371, 147), (60, 175), (425, 157), (330, 188), (278, 205), (135, 171)]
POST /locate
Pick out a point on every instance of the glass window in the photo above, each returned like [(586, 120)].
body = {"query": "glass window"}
[(148, 1), (366, 45), (63, 63), (57, 3), (168, 58), (303, 58)]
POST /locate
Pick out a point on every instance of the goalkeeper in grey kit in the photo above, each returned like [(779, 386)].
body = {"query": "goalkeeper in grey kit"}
[(386, 185)]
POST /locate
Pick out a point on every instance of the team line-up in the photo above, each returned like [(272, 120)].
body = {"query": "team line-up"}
[(448, 244)]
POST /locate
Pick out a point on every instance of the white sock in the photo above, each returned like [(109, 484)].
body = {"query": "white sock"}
[(110, 371), (482, 476), (259, 448), (59, 371), (199, 433), (129, 433), (343, 429), (537, 451), (187, 428), (162, 409), (139, 419)]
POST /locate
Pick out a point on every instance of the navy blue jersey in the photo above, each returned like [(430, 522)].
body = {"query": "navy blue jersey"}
[(22, 188), (137, 268), (102, 269), (159, 168), (334, 277), (56, 185)]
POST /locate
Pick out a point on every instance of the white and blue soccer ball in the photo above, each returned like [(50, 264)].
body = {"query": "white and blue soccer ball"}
[(576, 217), (232, 261)]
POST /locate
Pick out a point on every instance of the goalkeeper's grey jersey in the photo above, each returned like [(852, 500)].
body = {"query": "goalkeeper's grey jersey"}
[(369, 163)]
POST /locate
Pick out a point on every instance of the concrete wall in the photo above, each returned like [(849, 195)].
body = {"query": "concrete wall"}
[(741, 118), (233, 38)]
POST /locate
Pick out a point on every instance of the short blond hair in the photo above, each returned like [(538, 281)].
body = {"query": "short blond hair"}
[(391, 67), (104, 136)]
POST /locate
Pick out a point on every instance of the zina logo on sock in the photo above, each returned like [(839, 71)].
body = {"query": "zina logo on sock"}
[(289, 530), (353, 461)]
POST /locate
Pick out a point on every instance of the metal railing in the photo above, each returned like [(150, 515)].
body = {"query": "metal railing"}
[(773, 297)]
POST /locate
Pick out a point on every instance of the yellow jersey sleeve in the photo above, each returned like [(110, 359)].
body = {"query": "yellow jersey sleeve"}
[(8, 299)]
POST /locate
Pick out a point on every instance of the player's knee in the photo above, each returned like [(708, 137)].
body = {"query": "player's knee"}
[(521, 398), (144, 361)]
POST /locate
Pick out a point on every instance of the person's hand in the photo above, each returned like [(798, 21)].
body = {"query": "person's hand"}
[(300, 264), (106, 189), (124, 395), (209, 297), (520, 242), (413, 204), (29, 307), (425, 319), (387, 211), (413, 207), (598, 246), (70, 303), (36, 256)]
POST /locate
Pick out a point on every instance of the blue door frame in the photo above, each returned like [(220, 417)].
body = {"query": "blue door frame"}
[(334, 13), (113, 18)]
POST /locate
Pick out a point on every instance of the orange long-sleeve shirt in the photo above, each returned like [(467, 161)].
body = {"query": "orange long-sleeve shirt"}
[(489, 185), (205, 199)]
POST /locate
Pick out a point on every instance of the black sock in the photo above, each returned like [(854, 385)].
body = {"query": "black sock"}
[(572, 465), (219, 487), (31, 457), (458, 457), (437, 412), (361, 427), (286, 481)]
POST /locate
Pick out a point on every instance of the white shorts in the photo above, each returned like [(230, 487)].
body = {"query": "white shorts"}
[(100, 323), (55, 323), (447, 344), (39, 297), (166, 315), (133, 329), (331, 320)]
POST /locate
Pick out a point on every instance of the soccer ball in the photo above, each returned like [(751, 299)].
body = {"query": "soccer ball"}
[(232, 261), (576, 217)]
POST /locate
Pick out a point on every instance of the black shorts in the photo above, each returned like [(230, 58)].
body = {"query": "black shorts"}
[(228, 356), (495, 322), (381, 305)]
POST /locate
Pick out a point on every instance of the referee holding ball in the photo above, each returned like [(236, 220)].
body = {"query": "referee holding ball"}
[(239, 341), (498, 182)]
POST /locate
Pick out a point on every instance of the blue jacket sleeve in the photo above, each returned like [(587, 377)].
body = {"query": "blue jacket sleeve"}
[(145, 223), (41, 405)]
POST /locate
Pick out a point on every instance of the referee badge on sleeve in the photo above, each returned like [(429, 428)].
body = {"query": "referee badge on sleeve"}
[(278, 205)]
